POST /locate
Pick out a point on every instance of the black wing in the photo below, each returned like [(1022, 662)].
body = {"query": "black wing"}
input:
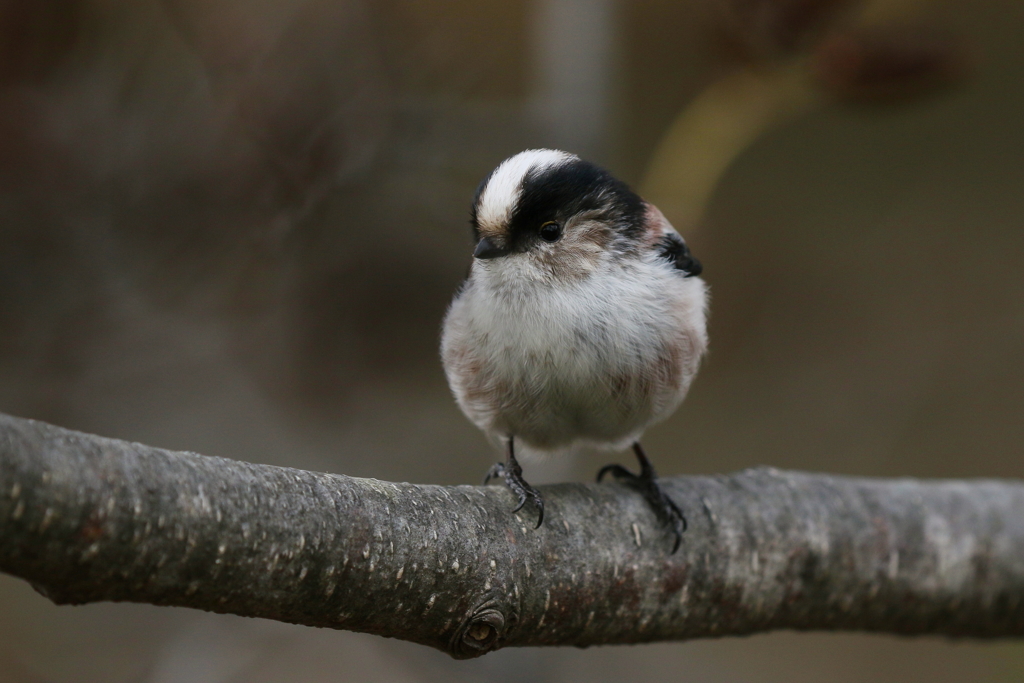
[(673, 248)]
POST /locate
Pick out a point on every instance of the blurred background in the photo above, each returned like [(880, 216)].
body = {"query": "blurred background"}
[(233, 227)]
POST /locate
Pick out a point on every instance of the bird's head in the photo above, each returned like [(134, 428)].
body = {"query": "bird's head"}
[(546, 215)]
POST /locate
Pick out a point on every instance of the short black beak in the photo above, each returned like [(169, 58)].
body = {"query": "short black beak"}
[(485, 249)]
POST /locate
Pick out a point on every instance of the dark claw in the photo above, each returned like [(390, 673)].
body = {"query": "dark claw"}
[(497, 470), (514, 480), (676, 518), (512, 473), (618, 471), (647, 484)]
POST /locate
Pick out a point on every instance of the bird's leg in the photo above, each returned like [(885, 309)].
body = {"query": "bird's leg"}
[(647, 483), (512, 473)]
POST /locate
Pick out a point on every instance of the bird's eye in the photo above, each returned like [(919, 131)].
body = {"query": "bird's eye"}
[(550, 231)]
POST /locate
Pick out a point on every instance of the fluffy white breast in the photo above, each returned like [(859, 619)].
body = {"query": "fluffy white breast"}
[(595, 362)]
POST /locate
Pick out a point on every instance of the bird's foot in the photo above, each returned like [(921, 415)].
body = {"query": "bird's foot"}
[(647, 484), (513, 476)]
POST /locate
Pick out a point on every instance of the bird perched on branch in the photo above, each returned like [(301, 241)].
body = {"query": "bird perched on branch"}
[(582, 321)]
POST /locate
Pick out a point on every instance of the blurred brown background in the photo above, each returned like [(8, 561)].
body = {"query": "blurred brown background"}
[(233, 227)]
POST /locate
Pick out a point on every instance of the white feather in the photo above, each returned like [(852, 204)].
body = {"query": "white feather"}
[(541, 362), (571, 343), (505, 184)]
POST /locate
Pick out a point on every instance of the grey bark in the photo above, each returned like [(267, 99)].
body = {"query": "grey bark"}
[(85, 519)]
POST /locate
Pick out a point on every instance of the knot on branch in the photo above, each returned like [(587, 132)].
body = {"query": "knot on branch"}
[(485, 626), (86, 519)]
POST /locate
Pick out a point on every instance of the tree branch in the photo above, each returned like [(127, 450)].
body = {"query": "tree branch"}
[(84, 518)]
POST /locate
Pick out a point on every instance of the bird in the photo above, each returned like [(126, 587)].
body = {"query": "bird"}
[(582, 322)]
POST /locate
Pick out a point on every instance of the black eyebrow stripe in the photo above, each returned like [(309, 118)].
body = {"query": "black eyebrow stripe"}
[(559, 191)]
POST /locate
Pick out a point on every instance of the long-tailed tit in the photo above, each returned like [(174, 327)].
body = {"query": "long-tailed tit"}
[(582, 320)]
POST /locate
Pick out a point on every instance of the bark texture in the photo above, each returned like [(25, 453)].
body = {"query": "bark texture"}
[(85, 518)]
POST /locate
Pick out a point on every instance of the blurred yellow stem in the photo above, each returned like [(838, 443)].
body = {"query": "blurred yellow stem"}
[(716, 127)]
